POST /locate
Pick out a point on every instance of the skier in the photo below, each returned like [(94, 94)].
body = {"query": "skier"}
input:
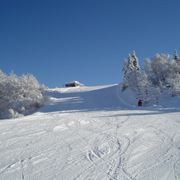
[(140, 102)]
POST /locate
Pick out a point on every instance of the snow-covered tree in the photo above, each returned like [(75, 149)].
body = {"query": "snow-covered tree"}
[(163, 72), (131, 64), (174, 75), (176, 57), (175, 64), (19, 95), (158, 69), (135, 78), (174, 84)]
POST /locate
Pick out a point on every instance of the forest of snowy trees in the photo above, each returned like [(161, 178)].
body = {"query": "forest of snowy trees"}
[(161, 74), (19, 95)]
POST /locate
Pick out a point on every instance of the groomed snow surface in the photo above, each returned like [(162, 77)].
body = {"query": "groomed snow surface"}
[(92, 133)]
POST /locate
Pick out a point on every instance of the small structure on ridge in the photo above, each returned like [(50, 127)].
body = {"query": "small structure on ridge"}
[(74, 84)]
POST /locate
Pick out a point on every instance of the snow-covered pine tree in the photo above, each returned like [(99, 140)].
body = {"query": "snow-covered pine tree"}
[(175, 63), (176, 56), (131, 64), (135, 78), (173, 78)]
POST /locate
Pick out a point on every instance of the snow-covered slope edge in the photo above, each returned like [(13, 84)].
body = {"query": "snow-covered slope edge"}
[(90, 133)]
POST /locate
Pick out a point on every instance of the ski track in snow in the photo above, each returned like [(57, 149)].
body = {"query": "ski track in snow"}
[(88, 133)]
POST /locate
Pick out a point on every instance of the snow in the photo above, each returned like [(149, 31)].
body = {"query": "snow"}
[(93, 133)]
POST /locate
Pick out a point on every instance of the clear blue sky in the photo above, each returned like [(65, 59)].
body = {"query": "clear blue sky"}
[(85, 40)]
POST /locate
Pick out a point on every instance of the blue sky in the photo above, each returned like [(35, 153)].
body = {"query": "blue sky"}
[(85, 40)]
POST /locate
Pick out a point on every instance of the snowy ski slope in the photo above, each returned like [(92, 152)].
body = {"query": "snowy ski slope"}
[(91, 133)]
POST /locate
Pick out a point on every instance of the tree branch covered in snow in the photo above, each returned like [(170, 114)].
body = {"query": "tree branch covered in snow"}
[(19, 95)]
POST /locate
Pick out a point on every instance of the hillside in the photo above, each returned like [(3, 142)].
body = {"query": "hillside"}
[(92, 133)]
